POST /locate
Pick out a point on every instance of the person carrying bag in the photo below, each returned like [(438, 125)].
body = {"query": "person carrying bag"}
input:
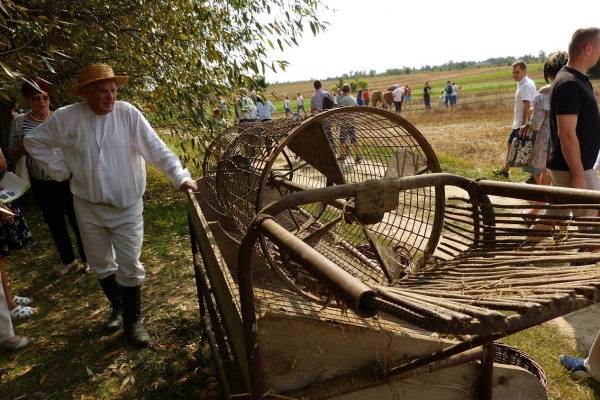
[(521, 151)]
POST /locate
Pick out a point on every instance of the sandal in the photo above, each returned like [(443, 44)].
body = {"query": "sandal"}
[(22, 312), (16, 345), (66, 268), (23, 301), (87, 270)]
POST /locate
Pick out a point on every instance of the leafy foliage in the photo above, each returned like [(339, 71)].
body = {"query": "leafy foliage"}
[(176, 52), (260, 83), (594, 72), (363, 84)]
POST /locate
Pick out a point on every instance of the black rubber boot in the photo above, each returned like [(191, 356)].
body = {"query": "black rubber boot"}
[(112, 290), (132, 326)]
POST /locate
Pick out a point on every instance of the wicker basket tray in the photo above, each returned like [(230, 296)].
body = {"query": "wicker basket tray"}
[(508, 355)]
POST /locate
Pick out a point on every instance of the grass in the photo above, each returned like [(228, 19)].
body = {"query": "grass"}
[(544, 344), (67, 328)]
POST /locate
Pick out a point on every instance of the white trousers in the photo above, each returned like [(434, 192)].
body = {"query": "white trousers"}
[(592, 363), (6, 326), (110, 235)]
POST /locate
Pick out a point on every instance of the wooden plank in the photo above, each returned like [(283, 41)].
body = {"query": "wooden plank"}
[(457, 383), (222, 285), (297, 351)]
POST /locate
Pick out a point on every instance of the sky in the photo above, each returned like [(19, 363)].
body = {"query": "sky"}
[(383, 34)]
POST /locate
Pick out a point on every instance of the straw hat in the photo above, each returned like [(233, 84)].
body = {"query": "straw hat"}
[(95, 73)]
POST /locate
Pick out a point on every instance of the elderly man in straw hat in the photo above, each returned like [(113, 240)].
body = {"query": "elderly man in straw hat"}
[(104, 144)]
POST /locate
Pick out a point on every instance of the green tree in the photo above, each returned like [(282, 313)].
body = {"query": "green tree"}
[(341, 82), (259, 83), (353, 86), (363, 84), (594, 72), (176, 52)]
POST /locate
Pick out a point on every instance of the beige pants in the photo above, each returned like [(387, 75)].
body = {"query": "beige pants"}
[(565, 179)]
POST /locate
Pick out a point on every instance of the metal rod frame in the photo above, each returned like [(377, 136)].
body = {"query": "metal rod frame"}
[(359, 298)]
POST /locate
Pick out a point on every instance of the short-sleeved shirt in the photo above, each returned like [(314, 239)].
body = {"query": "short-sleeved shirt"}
[(572, 94), (316, 101), (526, 91), (348, 101), (300, 100), (426, 91), (366, 95), (398, 93)]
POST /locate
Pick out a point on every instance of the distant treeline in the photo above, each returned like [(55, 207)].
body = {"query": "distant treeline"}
[(449, 66), (594, 72)]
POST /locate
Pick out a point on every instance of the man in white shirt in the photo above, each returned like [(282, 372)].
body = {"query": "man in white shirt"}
[(300, 101), (524, 95), (398, 93), (104, 145), (286, 106)]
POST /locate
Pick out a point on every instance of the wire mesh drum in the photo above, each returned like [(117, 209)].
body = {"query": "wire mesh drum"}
[(250, 165)]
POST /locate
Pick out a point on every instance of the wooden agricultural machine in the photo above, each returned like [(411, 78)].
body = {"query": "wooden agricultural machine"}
[(325, 275)]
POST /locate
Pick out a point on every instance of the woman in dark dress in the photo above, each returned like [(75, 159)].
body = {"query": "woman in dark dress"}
[(14, 235)]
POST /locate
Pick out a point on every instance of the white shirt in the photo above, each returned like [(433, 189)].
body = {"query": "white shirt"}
[(525, 91), (397, 93), (105, 153), (264, 110), (300, 100), (286, 103)]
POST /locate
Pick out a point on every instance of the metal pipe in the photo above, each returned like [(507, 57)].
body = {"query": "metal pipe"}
[(214, 352), (346, 287)]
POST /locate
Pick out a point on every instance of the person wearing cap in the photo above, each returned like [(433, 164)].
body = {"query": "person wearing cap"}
[(104, 145)]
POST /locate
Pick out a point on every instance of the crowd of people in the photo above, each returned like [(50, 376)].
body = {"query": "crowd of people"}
[(251, 107), (86, 163)]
